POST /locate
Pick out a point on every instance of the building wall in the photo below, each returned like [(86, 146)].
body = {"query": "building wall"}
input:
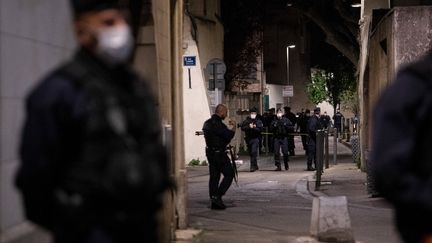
[(363, 83), (35, 36), (284, 30), (206, 44), (407, 32)]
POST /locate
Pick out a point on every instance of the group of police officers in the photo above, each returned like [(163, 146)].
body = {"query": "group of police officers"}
[(281, 128)]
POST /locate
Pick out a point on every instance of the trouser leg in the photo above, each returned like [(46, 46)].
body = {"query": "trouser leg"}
[(277, 146), (228, 176), (215, 173), (285, 152), (311, 152), (253, 152)]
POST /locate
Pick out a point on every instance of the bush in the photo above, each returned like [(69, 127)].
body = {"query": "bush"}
[(197, 162)]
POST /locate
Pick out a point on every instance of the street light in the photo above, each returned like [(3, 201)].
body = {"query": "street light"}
[(288, 63), (288, 66)]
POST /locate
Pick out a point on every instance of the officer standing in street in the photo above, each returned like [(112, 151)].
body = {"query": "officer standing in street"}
[(217, 136), (313, 126), (338, 118), (252, 127), (280, 128), (93, 168), (302, 123), (293, 119)]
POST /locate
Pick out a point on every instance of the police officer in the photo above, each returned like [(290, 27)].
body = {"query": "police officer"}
[(338, 118), (252, 127), (313, 126), (82, 120), (217, 137), (302, 123), (293, 119), (280, 128)]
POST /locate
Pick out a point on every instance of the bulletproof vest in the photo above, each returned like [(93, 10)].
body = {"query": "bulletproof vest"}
[(121, 158), (280, 130), (250, 134)]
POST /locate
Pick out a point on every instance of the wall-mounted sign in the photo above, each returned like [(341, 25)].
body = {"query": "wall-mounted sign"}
[(189, 61), (288, 91)]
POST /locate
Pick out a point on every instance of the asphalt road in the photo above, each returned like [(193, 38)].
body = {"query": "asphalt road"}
[(274, 206)]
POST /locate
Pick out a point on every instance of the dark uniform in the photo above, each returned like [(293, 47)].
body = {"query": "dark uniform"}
[(252, 137), (280, 128), (293, 119), (338, 122), (217, 137), (325, 120), (81, 121), (313, 126), (302, 123), (401, 157)]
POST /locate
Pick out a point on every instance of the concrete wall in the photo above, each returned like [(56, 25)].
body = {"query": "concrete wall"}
[(407, 33), (365, 31), (35, 36), (275, 95), (196, 104), (208, 45)]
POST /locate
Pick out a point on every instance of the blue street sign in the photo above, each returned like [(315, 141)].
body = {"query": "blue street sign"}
[(189, 61)]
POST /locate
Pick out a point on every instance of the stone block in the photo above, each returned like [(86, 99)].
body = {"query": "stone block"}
[(330, 220)]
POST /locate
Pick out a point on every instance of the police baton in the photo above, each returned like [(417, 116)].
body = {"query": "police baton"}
[(233, 163)]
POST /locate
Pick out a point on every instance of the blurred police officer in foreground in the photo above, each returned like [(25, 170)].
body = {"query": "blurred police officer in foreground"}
[(401, 154), (313, 126), (252, 127), (218, 136), (93, 166), (280, 128)]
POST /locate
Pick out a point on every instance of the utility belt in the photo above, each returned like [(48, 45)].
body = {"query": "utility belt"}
[(215, 149)]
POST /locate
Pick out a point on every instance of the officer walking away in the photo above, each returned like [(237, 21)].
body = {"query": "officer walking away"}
[(337, 118), (401, 152), (302, 123), (93, 168), (218, 136), (313, 126), (280, 128), (325, 120), (293, 119), (252, 127)]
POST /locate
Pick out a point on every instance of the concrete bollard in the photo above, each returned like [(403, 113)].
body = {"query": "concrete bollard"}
[(330, 220)]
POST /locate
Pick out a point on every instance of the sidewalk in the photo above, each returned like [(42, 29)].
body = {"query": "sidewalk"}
[(345, 179)]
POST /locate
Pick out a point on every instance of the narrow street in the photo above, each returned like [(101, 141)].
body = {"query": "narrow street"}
[(270, 206)]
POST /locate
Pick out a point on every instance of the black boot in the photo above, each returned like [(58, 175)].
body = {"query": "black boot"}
[(278, 168), (217, 203), (310, 168), (286, 163)]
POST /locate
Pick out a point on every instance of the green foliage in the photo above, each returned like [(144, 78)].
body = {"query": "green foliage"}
[(197, 162), (316, 90), (335, 84)]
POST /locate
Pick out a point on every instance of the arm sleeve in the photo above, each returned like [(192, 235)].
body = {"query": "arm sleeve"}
[(394, 145)]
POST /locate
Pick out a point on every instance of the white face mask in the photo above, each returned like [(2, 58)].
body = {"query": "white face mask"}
[(253, 116), (114, 44), (279, 115)]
